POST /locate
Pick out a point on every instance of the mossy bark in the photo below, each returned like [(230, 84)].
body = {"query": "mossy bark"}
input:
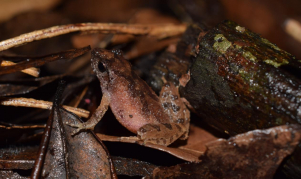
[(241, 82)]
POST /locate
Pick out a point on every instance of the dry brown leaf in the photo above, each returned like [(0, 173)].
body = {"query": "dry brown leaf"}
[(255, 154), (197, 140), (182, 153)]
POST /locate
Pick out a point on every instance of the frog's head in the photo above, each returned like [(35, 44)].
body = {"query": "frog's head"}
[(109, 65)]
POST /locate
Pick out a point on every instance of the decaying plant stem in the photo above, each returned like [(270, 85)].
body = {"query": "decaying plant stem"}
[(160, 31), (30, 71), (22, 127), (33, 103)]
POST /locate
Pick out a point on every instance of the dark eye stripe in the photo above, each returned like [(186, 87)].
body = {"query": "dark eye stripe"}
[(180, 120), (163, 140), (165, 94), (178, 127), (142, 130), (174, 97), (168, 126), (156, 127), (175, 108), (167, 85), (166, 105), (171, 139)]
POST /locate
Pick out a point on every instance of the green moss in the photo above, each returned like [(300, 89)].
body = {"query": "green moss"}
[(221, 43), (249, 80), (275, 62), (245, 75), (270, 44), (240, 29), (248, 55), (237, 46), (278, 121)]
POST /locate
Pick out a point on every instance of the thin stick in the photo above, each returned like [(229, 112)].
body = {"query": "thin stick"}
[(30, 71), (33, 103), (22, 127), (81, 96), (159, 31), (293, 28)]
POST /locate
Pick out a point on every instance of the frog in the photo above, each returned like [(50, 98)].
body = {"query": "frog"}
[(155, 119)]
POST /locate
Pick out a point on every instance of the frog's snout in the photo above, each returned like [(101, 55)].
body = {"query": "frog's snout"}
[(99, 57)]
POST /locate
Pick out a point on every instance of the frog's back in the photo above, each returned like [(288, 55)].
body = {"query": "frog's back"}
[(132, 101)]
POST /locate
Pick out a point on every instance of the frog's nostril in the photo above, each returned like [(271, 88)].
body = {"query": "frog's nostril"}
[(101, 67)]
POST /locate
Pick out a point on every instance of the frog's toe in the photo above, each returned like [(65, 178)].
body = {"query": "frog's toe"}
[(76, 131), (79, 126), (72, 125)]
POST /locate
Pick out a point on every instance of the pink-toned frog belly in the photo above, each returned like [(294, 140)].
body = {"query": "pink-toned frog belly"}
[(157, 120), (127, 110)]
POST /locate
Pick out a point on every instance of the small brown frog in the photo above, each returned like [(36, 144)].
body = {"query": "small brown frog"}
[(159, 120)]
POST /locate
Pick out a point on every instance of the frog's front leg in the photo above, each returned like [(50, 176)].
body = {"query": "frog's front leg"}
[(96, 116)]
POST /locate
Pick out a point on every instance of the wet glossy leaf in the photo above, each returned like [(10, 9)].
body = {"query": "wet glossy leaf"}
[(132, 167), (11, 175), (255, 154), (69, 156), (18, 157), (86, 157)]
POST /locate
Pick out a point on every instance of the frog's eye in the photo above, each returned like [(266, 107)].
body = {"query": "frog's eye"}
[(101, 67)]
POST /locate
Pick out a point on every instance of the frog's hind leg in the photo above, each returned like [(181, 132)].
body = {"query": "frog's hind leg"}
[(185, 122), (175, 107), (162, 134)]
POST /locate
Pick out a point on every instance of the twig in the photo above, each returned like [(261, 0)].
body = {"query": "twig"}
[(160, 31), (81, 96), (33, 103), (22, 127), (293, 28), (30, 71)]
